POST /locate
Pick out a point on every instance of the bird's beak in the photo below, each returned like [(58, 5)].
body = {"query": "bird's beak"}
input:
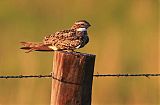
[(89, 25)]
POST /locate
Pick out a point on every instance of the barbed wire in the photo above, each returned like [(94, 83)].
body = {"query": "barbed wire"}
[(126, 75), (24, 76), (95, 75)]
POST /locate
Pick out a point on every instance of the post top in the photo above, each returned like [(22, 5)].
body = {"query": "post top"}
[(75, 53)]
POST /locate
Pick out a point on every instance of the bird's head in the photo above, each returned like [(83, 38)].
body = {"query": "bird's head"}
[(81, 24)]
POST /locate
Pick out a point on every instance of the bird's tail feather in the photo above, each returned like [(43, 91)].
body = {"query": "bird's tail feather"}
[(32, 46)]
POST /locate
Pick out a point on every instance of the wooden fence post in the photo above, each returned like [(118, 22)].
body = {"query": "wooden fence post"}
[(74, 74)]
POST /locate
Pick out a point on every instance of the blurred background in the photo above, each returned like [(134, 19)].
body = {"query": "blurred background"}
[(124, 37)]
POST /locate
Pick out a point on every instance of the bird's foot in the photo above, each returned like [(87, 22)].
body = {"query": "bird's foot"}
[(69, 50)]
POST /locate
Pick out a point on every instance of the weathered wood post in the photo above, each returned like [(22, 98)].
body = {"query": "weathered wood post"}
[(74, 74)]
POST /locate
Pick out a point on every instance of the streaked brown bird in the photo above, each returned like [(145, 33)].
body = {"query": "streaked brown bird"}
[(74, 38)]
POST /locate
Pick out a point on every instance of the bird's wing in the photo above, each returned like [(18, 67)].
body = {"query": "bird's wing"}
[(63, 40)]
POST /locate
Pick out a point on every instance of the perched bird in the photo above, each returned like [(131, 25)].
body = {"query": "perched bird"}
[(74, 38)]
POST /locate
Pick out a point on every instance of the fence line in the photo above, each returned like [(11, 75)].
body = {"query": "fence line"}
[(95, 75), (126, 75)]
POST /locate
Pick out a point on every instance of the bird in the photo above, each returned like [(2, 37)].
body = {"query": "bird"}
[(65, 40)]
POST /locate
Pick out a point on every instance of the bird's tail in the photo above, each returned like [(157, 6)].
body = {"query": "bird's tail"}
[(32, 46)]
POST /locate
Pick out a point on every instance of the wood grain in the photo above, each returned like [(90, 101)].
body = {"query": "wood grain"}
[(74, 73)]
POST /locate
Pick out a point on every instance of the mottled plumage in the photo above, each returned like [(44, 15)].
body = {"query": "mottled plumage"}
[(70, 39)]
